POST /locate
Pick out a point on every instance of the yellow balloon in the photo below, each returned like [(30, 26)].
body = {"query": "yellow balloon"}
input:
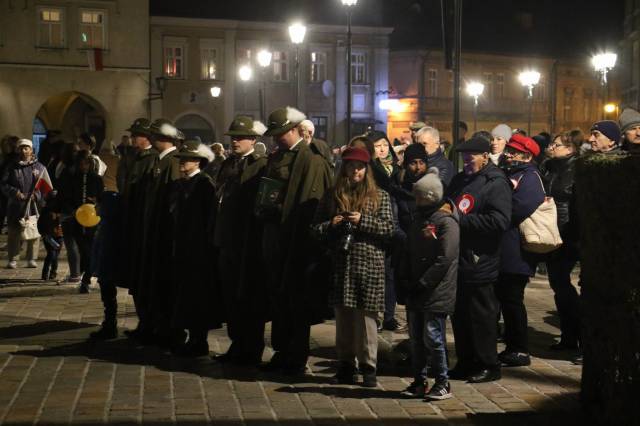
[(86, 215)]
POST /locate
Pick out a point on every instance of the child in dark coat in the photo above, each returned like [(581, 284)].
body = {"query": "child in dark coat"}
[(50, 228), (430, 274)]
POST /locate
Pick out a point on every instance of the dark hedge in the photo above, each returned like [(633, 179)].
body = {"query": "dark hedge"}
[(608, 205)]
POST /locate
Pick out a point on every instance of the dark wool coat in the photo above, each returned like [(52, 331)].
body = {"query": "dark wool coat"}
[(287, 244), (155, 270), (429, 267), (359, 274), (444, 166), (484, 201), (134, 196), (238, 234), (105, 254), (72, 187), (320, 147), (528, 194), (197, 302), (22, 178)]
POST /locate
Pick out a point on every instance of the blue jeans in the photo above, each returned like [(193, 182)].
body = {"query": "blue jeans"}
[(428, 333)]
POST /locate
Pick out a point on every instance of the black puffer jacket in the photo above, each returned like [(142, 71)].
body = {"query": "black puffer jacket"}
[(430, 265), (484, 201), (558, 174)]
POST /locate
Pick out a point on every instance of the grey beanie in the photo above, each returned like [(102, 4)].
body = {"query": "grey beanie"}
[(502, 131), (629, 118), (429, 187)]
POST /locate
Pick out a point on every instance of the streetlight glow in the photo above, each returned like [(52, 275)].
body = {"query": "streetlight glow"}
[(215, 91), (604, 61), (245, 73), (529, 78), (393, 105), (297, 32), (609, 108), (264, 58), (475, 89), (349, 3)]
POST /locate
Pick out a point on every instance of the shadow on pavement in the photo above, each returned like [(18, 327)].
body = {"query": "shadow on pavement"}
[(40, 328)]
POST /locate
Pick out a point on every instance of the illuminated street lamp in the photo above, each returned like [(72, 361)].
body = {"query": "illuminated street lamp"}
[(609, 108), (215, 91), (350, 4), (603, 63), (245, 73), (475, 90), (297, 31), (529, 79), (264, 60)]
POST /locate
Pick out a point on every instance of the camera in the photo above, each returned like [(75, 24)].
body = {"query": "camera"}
[(347, 237)]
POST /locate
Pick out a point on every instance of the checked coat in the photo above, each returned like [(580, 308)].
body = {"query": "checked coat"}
[(358, 275)]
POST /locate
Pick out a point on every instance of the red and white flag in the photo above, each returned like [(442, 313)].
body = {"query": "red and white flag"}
[(94, 56), (43, 185)]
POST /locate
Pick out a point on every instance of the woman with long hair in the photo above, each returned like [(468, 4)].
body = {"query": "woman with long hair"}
[(355, 219)]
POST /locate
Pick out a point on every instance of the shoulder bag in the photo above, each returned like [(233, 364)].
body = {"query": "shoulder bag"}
[(539, 231)]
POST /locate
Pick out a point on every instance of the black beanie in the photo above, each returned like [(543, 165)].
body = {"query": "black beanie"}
[(413, 152)]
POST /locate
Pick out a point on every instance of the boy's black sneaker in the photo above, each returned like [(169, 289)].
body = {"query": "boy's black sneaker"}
[(417, 389), (439, 392)]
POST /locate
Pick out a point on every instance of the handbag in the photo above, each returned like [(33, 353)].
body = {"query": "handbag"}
[(29, 224), (540, 233)]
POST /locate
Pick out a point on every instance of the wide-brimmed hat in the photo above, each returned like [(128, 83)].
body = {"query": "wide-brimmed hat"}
[(284, 119), (243, 125), (165, 129), (141, 126), (195, 150)]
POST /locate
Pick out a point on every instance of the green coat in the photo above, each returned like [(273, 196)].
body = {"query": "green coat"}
[(134, 201), (155, 271), (238, 235), (287, 244)]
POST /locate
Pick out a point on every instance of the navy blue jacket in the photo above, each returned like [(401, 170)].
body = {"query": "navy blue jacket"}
[(528, 194), (484, 201), (444, 166)]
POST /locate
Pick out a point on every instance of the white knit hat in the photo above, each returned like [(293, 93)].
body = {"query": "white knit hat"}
[(25, 142), (502, 131), (429, 187)]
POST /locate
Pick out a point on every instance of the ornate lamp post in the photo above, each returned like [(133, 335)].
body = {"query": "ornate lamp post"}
[(215, 91), (603, 63), (264, 60), (297, 31), (529, 79), (475, 90), (349, 5)]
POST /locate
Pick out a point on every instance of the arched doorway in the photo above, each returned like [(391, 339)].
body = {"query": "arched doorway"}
[(193, 125), (70, 114)]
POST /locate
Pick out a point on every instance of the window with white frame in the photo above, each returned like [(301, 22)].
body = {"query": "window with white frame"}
[(499, 86), (280, 60), (93, 29), (488, 85), (359, 102), (208, 63), (321, 124), (174, 57), (318, 67), (358, 68), (50, 27), (432, 83)]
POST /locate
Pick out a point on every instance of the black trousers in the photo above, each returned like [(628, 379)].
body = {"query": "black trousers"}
[(474, 326), (510, 292), (108, 294), (566, 297), (290, 333)]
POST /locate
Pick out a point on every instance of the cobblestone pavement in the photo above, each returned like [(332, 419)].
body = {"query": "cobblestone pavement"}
[(50, 374)]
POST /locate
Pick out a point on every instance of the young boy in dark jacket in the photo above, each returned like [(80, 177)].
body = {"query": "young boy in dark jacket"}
[(50, 228), (430, 274)]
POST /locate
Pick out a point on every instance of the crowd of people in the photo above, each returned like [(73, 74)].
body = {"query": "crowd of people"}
[(301, 233)]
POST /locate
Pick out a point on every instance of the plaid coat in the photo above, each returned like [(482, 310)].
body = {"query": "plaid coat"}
[(358, 275)]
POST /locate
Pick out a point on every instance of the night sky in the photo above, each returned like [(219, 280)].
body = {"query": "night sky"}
[(559, 28)]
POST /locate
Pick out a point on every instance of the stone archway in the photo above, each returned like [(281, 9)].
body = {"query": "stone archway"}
[(69, 114), (193, 125)]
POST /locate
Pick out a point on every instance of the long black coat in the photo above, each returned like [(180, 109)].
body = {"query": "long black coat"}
[(238, 233), (197, 301)]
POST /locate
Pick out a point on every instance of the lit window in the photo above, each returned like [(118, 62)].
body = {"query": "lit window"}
[(359, 102), (359, 68), (318, 67), (432, 88), (92, 29), (208, 58), (280, 61), (51, 27), (174, 61)]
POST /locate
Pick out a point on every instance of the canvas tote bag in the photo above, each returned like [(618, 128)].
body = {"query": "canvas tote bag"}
[(540, 233)]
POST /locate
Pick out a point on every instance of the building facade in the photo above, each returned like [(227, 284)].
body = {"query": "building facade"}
[(190, 56), (71, 66), (630, 56), (568, 95)]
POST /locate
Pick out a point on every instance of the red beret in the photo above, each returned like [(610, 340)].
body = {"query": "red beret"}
[(524, 144), (356, 154)]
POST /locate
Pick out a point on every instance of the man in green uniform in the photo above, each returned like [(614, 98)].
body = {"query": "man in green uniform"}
[(238, 236), (134, 200), (302, 176), (155, 271)]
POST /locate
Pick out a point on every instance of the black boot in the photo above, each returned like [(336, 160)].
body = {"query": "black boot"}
[(108, 331)]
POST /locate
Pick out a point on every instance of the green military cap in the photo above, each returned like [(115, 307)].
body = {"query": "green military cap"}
[(243, 125), (417, 125), (141, 126), (195, 150), (284, 119)]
